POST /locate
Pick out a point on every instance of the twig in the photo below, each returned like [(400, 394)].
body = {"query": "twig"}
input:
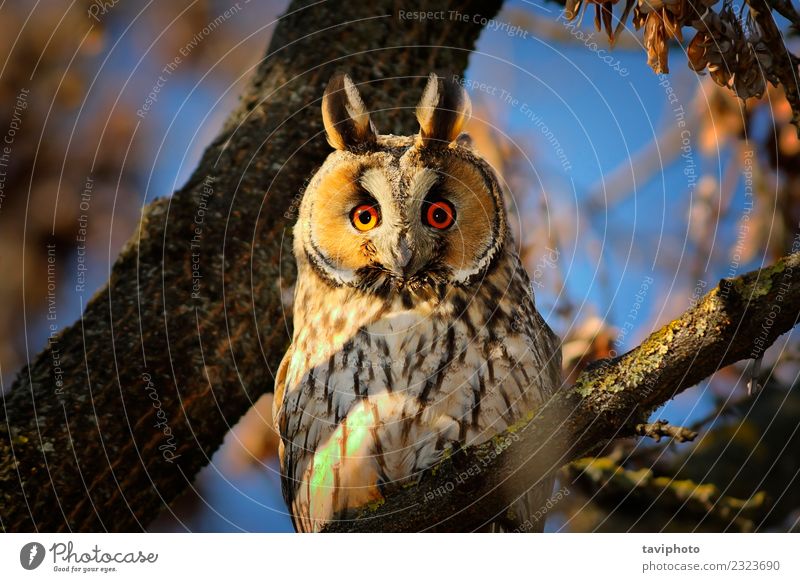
[(785, 8), (661, 428)]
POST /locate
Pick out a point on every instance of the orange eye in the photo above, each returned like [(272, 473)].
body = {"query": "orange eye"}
[(365, 217), (439, 214)]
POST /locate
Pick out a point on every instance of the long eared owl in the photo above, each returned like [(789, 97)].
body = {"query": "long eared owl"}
[(415, 329)]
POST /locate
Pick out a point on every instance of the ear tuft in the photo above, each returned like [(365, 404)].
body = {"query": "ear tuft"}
[(442, 112), (346, 119)]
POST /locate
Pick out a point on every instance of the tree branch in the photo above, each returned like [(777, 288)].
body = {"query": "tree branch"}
[(642, 490), (738, 319), (112, 421)]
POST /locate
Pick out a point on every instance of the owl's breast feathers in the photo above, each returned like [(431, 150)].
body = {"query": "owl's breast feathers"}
[(372, 392)]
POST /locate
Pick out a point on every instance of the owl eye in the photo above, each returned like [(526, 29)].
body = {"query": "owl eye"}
[(365, 217), (439, 214)]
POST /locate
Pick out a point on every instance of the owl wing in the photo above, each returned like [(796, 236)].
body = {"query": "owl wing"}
[(286, 450), (534, 352), (280, 388)]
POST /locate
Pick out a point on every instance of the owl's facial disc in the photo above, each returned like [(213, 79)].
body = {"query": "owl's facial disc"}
[(359, 231), (458, 212), (388, 223)]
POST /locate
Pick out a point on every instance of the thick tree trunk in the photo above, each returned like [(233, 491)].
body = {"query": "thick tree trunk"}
[(115, 418)]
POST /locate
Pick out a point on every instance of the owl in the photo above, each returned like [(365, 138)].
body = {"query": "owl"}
[(415, 330)]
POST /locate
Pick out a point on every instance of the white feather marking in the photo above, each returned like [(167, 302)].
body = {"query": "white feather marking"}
[(461, 275), (421, 183), (355, 105), (376, 183)]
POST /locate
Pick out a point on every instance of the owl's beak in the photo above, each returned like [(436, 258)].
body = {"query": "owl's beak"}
[(402, 254)]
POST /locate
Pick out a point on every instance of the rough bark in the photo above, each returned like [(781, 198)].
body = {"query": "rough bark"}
[(157, 370), (738, 319)]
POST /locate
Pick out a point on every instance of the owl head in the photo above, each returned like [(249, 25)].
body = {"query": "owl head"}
[(387, 213)]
